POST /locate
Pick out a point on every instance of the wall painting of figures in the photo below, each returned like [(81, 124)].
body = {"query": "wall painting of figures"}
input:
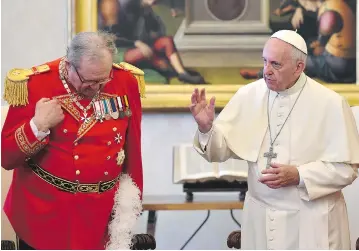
[(217, 44)]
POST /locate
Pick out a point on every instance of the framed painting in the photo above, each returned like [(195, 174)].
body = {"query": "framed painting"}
[(217, 45)]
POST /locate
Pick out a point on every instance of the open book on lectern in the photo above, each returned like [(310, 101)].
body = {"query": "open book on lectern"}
[(189, 166)]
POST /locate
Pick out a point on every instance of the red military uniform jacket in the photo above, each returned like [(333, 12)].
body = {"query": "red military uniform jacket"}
[(43, 215)]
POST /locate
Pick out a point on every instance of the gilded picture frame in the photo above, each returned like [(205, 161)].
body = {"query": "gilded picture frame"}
[(83, 17)]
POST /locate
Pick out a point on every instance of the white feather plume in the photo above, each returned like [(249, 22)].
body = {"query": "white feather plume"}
[(127, 209)]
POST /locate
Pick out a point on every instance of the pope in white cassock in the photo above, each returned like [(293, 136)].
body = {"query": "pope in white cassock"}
[(302, 147)]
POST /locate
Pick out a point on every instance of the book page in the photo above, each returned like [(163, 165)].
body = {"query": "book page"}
[(190, 166), (233, 169)]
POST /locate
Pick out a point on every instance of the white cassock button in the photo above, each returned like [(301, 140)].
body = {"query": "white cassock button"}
[(272, 219), (271, 239), (76, 157), (77, 172), (272, 229)]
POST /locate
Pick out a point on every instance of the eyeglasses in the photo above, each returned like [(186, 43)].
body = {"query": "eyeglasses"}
[(94, 82)]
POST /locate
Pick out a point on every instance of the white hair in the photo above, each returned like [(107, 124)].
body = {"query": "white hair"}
[(298, 55), (92, 45)]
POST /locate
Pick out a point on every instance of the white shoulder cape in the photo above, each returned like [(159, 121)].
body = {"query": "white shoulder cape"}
[(324, 128)]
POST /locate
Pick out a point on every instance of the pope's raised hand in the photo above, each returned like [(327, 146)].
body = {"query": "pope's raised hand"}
[(48, 113), (202, 111)]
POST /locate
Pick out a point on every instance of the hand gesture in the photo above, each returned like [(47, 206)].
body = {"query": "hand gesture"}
[(277, 12), (202, 112), (318, 49), (280, 176), (298, 18), (48, 114)]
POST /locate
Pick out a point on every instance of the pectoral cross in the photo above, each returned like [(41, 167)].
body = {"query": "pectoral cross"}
[(270, 155)]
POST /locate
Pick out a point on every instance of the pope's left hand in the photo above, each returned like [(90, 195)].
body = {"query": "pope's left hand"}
[(280, 176)]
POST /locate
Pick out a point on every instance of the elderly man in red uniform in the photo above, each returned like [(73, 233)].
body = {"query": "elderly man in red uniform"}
[(73, 138)]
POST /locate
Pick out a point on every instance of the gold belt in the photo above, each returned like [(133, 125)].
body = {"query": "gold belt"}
[(70, 186)]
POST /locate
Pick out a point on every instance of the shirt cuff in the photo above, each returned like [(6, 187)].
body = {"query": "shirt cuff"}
[(301, 181), (203, 138), (38, 134)]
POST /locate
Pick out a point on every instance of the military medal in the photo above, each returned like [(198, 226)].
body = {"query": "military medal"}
[(120, 105), (114, 112), (98, 112), (105, 107), (128, 112)]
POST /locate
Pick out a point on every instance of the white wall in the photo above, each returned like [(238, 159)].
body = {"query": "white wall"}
[(34, 32)]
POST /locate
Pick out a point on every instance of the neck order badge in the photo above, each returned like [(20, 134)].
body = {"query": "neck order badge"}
[(75, 97)]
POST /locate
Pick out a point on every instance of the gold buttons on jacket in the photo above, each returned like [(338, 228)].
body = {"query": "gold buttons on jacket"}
[(109, 143), (108, 157), (78, 172), (65, 130), (114, 129), (76, 157), (106, 173)]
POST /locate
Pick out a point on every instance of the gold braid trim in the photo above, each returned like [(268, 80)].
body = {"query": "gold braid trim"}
[(24, 144), (139, 75), (16, 92)]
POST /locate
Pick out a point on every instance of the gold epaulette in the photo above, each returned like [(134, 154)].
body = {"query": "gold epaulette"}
[(16, 92), (138, 73)]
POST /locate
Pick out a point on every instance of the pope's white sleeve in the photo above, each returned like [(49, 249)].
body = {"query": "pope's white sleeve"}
[(38, 134), (324, 178), (203, 138), (212, 145), (301, 182)]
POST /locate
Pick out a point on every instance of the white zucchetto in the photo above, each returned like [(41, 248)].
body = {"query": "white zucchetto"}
[(293, 38)]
